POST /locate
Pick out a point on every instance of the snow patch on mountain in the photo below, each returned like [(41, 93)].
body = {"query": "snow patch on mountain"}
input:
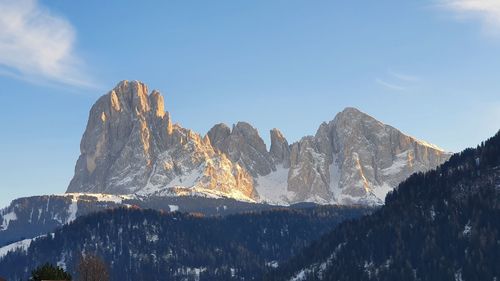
[(22, 245), (7, 218), (334, 169), (189, 179), (467, 229), (272, 264), (381, 191), (100, 197), (273, 188), (72, 210), (399, 164), (428, 144), (186, 180), (193, 272), (210, 193)]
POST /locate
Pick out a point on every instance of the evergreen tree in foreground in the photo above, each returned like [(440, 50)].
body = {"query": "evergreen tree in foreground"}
[(49, 272)]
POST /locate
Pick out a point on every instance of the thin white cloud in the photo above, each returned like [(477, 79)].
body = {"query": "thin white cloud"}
[(404, 77), (389, 85), (36, 45), (397, 81), (487, 11)]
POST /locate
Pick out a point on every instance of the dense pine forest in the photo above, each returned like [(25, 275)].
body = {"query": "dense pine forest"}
[(439, 225), (142, 244)]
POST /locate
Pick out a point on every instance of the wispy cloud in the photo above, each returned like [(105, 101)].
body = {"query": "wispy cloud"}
[(397, 81), (404, 77), (36, 45), (487, 11), (389, 85)]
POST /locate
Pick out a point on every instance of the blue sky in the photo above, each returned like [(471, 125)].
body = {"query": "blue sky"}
[(430, 68)]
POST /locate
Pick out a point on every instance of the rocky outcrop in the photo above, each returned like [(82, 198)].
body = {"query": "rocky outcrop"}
[(244, 146), (218, 135), (123, 134), (130, 146), (309, 175), (357, 159), (280, 150)]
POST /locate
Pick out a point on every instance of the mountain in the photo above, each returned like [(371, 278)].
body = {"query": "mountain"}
[(356, 159), (439, 225), (152, 245), (130, 146), (30, 217)]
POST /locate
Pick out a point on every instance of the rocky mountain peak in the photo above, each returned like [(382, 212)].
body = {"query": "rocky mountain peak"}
[(130, 96), (131, 146), (353, 117), (218, 134), (126, 127), (157, 103), (243, 145), (356, 158), (280, 150), (247, 133), (352, 111)]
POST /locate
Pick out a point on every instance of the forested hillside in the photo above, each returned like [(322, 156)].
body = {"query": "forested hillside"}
[(439, 225), (153, 245)]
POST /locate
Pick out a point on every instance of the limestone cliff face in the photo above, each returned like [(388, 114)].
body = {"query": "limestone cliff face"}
[(357, 159), (244, 146), (280, 150), (125, 129), (130, 146)]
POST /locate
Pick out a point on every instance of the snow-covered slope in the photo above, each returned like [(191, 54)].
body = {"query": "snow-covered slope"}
[(273, 187), (22, 245), (130, 146), (33, 216)]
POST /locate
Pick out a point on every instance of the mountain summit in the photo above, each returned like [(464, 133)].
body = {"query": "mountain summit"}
[(130, 146)]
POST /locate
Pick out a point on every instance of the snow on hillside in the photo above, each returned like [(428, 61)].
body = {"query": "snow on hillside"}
[(272, 188), (7, 218), (101, 197), (22, 245)]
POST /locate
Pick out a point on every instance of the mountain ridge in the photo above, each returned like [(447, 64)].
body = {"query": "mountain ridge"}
[(130, 146)]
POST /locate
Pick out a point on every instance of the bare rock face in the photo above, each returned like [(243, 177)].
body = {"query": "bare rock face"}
[(357, 159), (244, 146), (218, 135), (308, 176), (119, 136), (130, 146), (280, 150)]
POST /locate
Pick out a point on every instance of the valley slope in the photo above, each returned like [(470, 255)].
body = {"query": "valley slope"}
[(439, 225), (152, 245)]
